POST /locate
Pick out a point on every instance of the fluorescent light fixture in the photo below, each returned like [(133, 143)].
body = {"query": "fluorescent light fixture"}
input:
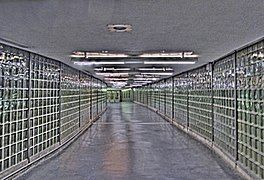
[(153, 55), (146, 79), (161, 74), (170, 55), (111, 69), (116, 79), (85, 63), (78, 54), (190, 55), (155, 69), (108, 62), (111, 74), (133, 85), (114, 82), (142, 81), (169, 62), (145, 76), (104, 55)]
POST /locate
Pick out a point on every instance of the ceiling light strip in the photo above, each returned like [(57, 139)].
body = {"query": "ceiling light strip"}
[(98, 63), (161, 74), (169, 62), (111, 74), (155, 69), (111, 69), (104, 55)]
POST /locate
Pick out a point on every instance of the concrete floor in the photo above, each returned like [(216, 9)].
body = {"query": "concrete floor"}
[(132, 142)]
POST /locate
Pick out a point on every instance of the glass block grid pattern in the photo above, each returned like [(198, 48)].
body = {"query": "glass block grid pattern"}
[(151, 96), (168, 92), (156, 95), (85, 98), (70, 94), (224, 104), (181, 85), (212, 96), (33, 116), (100, 96), (162, 94), (14, 77), (104, 92), (250, 99), (44, 103), (94, 98), (200, 101)]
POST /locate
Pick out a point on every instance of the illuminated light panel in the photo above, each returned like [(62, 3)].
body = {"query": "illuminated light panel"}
[(169, 62), (111, 74), (78, 54), (154, 55), (161, 74), (104, 55), (116, 79), (111, 69), (155, 69), (97, 63), (133, 62), (143, 79), (169, 55)]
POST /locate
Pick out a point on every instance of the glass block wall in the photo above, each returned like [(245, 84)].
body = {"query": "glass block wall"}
[(250, 101), (156, 96), (70, 93), (14, 102), (162, 98), (168, 98), (180, 98), (44, 104), (222, 102), (40, 106), (85, 98), (126, 95), (200, 101)]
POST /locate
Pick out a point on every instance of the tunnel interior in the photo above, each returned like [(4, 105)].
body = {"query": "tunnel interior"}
[(106, 89)]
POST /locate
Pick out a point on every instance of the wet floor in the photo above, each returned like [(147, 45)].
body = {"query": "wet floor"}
[(132, 142)]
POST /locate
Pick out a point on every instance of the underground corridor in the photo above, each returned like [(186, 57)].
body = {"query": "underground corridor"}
[(131, 89), (132, 142)]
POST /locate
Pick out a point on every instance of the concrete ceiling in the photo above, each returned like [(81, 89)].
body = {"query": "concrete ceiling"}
[(55, 28)]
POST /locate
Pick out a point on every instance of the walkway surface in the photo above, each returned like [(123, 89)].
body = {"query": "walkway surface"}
[(132, 142)]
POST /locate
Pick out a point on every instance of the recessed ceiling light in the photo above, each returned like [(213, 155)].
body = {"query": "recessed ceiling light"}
[(119, 27)]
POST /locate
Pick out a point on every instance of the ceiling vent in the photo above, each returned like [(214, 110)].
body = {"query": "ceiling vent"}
[(119, 27)]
